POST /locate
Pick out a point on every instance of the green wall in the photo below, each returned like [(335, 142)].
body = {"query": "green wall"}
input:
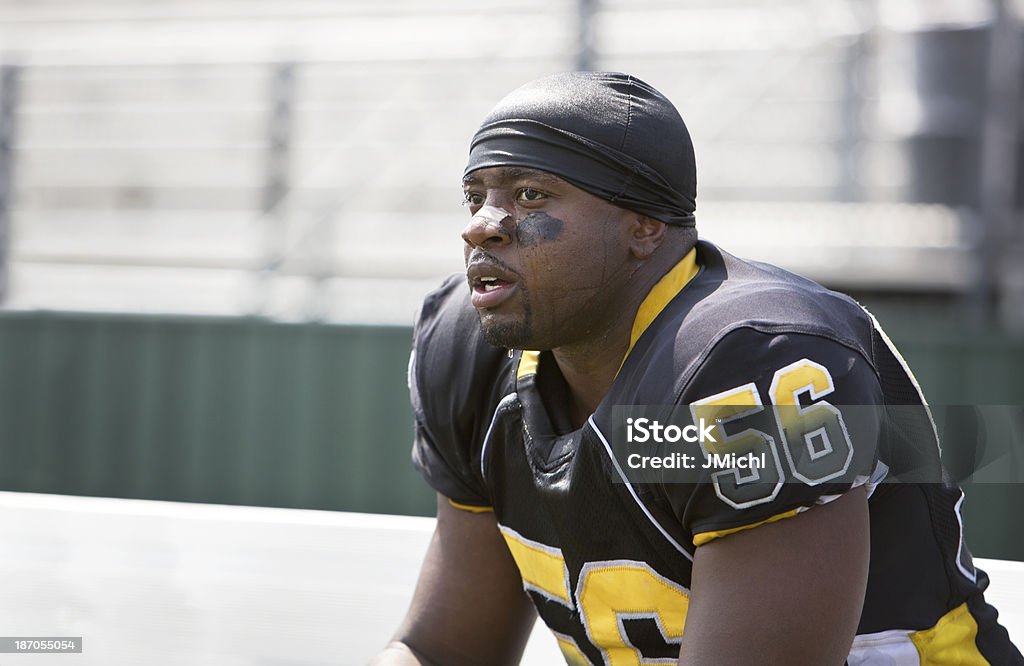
[(208, 410), (246, 411)]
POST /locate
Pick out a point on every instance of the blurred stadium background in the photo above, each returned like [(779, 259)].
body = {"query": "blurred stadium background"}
[(217, 220)]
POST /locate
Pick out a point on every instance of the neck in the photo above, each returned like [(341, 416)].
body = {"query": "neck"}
[(589, 370), (589, 366)]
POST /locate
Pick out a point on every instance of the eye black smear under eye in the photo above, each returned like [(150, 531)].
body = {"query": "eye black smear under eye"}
[(537, 228)]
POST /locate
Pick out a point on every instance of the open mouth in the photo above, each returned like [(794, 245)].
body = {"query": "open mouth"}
[(489, 291), (489, 284)]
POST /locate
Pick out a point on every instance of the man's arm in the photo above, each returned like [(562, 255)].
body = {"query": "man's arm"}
[(789, 592), (469, 606)]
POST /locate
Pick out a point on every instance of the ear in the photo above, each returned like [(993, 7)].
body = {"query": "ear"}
[(646, 235)]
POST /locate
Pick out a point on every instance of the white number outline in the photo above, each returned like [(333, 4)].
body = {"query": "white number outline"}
[(577, 600), (756, 406), (802, 412), (655, 615)]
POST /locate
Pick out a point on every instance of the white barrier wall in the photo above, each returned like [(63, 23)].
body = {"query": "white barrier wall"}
[(162, 583)]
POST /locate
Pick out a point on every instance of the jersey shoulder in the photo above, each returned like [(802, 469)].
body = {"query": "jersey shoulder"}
[(734, 293), (450, 359), (456, 380), (736, 316), (759, 341)]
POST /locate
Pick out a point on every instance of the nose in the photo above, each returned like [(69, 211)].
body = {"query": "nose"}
[(488, 226)]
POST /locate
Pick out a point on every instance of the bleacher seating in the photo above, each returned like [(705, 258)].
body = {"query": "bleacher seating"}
[(143, 149)]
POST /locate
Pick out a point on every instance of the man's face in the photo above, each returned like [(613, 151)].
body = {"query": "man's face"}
[(545, 260)]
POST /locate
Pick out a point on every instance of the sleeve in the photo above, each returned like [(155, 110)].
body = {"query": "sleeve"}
[(452, 377), (805, 406)]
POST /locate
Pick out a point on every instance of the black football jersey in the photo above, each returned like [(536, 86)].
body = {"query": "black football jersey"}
[(606, 560)]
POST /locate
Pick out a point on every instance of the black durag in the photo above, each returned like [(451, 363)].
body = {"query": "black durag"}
[(609, 134)]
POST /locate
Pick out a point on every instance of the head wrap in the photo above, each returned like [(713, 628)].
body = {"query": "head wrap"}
[(609, 134)]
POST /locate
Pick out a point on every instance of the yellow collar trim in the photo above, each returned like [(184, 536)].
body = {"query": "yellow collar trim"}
[(657, 298), (527, 364), (660, 295)]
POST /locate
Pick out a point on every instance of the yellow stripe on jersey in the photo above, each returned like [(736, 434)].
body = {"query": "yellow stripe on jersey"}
[(950, 641), (528, 364), (541, 567), (470, 507), (702, 538), (659, 296)]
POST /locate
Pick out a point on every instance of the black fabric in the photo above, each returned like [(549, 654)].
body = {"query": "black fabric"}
[(495, 439), (992, 640), (607, 133), (453, 385)]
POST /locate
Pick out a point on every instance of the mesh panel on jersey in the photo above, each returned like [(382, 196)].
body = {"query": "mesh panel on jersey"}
[(914, 448), (911, 447)]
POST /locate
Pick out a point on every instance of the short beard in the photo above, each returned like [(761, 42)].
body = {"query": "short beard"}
[(512, 335), (509, 335)]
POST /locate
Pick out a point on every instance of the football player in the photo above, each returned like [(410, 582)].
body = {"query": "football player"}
[(586, 290)]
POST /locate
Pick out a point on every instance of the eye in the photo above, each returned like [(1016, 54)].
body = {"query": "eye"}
[(530, 194), (472, 199)]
